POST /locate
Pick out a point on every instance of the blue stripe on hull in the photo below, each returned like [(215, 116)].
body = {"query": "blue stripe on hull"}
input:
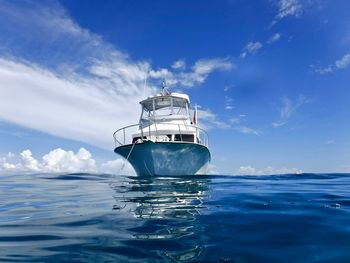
[(166, 158)]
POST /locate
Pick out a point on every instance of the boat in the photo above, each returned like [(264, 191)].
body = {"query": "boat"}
[(167, 140)]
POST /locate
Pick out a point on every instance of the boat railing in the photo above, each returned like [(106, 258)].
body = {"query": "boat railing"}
[(123, 135)]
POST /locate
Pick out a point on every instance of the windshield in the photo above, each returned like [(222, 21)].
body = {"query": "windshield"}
[(164, 106)]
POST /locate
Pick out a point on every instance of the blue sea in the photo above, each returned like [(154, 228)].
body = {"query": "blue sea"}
[(110, 218)]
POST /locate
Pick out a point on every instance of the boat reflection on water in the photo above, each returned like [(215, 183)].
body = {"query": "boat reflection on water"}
[(167, 208)]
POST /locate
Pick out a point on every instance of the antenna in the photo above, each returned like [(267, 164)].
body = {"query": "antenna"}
[(163, 86), (165, 91)]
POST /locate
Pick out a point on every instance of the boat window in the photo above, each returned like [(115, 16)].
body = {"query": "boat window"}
[(162, 106), (184, 137), (162, 102), (146, 114), (179, 106)]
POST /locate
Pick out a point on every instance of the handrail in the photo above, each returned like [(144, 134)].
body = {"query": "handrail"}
[(156, 133)]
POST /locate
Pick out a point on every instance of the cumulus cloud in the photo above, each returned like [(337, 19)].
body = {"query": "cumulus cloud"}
[(249, 170), (339, 64), (288, 108), (275, 37), (251, 48), (62, 161), (84, 88)]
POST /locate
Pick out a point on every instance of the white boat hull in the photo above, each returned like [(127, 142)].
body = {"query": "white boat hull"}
[(166, 158)]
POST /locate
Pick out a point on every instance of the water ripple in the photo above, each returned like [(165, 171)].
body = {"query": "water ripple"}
[(91, 217)]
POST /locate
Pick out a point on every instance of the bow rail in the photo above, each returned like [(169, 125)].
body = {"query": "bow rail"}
[(158, 135)]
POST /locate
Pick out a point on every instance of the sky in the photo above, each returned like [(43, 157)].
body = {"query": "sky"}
[(271, 79)]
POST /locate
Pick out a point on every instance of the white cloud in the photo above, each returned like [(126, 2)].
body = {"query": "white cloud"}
[(246, 170), (62, 161), (275, 37), (198, 74), (228, 103), (331, 141), (179, 64), (237, 124), (213, 169), (28, 162), (235, 120), (288, 108), (251, 48), (339, 64), (227, 88), (84, 88), (325, 70), (343, 62), (208, 120), (246, 130), (289, 8), (249, 170), (83, 109)]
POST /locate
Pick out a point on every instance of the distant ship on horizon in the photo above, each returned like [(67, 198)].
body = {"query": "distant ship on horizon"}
[(167, 140)]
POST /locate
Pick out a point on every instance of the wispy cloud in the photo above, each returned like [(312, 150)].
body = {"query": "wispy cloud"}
[(227, 88), (289, 8), (343, 62), (179, 64), (197, 75), (339, 64), (209, 120), (251, 48), (246, 130), (61, 161), (331, 141), (237, 124), (84, 88), (288, 108), (275, 37), (228, 103)]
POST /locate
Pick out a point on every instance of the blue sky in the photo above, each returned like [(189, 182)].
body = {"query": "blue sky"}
[(271, 77)]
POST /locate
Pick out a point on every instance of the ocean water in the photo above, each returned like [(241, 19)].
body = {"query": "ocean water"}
[(109, 218)]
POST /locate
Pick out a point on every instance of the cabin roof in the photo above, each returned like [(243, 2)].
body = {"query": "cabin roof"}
[(173, 94)]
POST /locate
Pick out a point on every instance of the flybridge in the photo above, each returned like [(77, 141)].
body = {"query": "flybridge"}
[(173, 106)]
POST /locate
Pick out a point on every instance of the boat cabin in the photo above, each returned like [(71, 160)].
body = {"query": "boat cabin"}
[(165, 117)]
